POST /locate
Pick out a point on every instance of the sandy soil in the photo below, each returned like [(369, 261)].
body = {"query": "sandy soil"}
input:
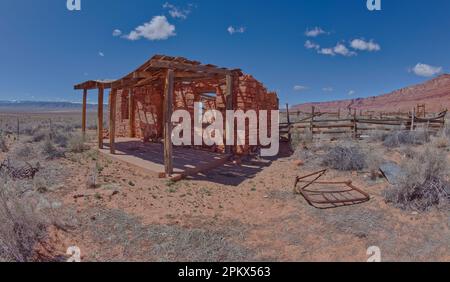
[(241, 212)]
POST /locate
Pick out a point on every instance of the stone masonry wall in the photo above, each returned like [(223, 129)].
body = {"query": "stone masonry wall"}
[(249, 94)]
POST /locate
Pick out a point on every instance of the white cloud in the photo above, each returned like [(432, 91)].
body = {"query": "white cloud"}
[(300, 88), (157, 29), (232, 30), (311, 45), (327, 89), (177, 12), (351, 92), (315, 32), (117, 32), (361, 44), (326, 51), (341, 49), (101, 54), (426, 70)]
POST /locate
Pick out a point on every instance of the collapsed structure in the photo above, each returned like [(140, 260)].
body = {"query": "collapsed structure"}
[(141, 103)]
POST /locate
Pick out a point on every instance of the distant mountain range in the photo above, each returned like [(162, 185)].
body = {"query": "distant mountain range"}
[(42, 106), (435, 94)]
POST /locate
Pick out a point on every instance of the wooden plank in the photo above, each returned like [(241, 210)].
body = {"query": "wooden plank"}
[(229, 105), (187, 67), (168, 108), (100, 118), (83, 114), (112, 120)]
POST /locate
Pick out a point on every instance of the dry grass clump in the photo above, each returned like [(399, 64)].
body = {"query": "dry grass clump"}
[(50, 151), (77, 144), (423, 183), (440, 142), (345, 157), (21, 225), (404, 137)]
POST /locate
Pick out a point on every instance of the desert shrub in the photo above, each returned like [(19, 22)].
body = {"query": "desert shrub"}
[(23, 151), (345, 157), (40, 135), (21, 226), (404, 137), (3, 146), (422, 183), (77, 144), (49, 150), (61, 139)]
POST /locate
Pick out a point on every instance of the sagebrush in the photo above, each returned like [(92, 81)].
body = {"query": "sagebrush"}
[(423, 183), (345, 157), (22, 227)]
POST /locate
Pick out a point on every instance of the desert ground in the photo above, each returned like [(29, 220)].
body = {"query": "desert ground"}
[(245, 210)]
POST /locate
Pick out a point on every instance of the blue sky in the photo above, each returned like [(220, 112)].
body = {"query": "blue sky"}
[(46, 49)]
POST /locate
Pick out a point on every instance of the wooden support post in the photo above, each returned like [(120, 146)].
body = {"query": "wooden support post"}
[(229, 105), (168, 108), (112, 120), (339, 113), (355, 126), (100, 118), (131, 115), (413, 114), (313, 113), (83, 114), (288, 115)]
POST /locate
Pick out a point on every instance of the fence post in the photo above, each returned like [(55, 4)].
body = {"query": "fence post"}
[(413, 113), (288, 121), (339, 113), (355, 126), (313, 113)]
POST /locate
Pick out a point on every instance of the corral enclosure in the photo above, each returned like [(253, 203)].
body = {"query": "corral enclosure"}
[(358, 123)]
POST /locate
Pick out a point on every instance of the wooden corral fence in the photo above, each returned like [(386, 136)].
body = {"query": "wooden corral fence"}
[(358, 123)]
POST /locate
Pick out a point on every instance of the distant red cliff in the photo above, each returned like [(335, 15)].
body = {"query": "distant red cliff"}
[(435, 94)]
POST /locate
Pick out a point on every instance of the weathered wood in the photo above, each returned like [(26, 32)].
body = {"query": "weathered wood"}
[(168, 108), (100, 118), (288, 122), (229, 105), (413, 115), (131, 114), (112, 120), (187, 67), (83, 114), (313, 113)]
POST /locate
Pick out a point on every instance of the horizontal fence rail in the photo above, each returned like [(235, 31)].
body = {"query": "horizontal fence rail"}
[(317, 122)]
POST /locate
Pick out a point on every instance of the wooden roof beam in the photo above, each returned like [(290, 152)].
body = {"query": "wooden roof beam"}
[(186, 67)]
